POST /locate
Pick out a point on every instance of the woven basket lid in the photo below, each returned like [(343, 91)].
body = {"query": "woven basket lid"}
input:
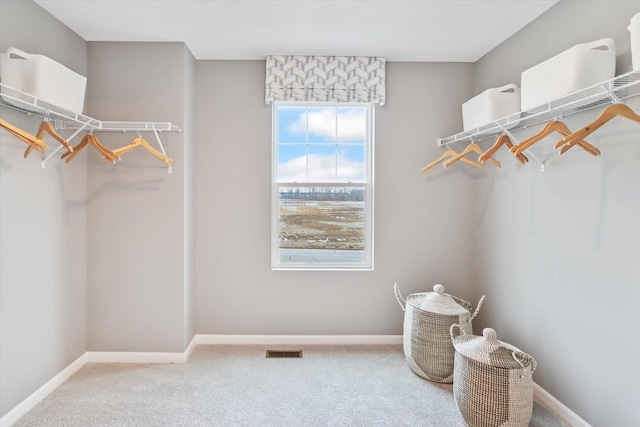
[(489, 350), (440, 303)]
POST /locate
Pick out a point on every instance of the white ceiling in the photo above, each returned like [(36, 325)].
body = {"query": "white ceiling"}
[(400, 30)]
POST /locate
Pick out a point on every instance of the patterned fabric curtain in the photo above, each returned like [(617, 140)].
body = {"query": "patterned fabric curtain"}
[(325, 79)]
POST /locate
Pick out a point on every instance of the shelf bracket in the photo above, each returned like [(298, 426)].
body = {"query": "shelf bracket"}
[(614, 98), (80, 129), (516, 141), (155, 131)]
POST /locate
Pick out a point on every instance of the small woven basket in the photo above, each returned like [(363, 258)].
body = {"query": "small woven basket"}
[(426, 338), (492, 384)]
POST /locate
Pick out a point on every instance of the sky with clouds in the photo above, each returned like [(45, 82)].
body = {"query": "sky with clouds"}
[(321, 144)]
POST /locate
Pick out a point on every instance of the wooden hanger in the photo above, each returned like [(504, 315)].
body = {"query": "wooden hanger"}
[(551, 127), (445, 155), (25, 137), (89, 139), (47, 127), (469, 148), (28, 140), (502, 140), (141, 142), (69, 155), (104, 150), (607, 114)]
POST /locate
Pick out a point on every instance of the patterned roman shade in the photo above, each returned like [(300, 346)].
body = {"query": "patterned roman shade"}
[(325, 79)]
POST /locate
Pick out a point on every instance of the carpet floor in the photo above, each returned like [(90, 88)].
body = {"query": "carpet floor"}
[(226, 385)]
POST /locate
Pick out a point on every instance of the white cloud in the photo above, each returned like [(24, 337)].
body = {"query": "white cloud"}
[(351, 123), (323, 167), (294, 169)]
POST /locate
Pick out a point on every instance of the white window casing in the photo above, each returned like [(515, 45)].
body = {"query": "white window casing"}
[(344, 260)]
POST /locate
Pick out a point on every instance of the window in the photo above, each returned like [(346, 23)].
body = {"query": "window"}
[(322, 178)]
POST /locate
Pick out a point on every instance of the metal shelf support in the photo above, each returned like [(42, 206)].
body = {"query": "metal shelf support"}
[(516, 141), (44, 162)]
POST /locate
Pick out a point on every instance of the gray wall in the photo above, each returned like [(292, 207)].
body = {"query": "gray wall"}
[(558, 252), (43, 222), (422, 226), (137, 221)]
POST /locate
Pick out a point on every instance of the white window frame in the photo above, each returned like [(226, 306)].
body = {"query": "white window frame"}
[(368, 185)]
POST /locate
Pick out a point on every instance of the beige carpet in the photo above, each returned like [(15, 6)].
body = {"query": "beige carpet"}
[(238, 386)]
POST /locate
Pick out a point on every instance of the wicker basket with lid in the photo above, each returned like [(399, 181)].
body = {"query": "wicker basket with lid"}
[(492, 383), (426, 337)]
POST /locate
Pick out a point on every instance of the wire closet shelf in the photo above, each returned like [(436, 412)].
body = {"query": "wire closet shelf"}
[(611, 91), (64, 119), (29, 104)]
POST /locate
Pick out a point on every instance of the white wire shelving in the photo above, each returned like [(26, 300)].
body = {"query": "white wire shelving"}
[(64, 119), (611, 91)]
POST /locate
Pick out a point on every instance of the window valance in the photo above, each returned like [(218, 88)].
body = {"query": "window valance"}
[(325, 78)]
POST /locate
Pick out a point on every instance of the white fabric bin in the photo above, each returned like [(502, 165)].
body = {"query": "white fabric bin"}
[(491, 105), (43, 78), (634, 28), (576, 68)]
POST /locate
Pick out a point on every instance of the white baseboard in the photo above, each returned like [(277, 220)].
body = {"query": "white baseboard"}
[(540, 394), (91, 357), (554, 405), (27, 404), (141, 357), (189, 349), (156, 357), (299, 339), (134, 357)]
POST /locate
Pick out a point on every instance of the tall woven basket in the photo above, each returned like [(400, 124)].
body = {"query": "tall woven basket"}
[(426, 338), (492, 383)]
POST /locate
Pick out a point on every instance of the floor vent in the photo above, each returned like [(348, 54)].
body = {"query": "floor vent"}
[(289, 354)]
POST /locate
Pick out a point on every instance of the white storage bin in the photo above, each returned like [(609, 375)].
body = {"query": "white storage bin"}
[(491, 105), (43, 78), (634, 28), (576, 68)]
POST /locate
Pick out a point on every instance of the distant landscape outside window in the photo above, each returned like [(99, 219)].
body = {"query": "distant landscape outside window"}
[(322, 186)]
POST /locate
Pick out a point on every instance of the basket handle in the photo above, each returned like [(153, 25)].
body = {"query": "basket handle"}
[(12, 52), (510, 88), (460, 329), (399, 298), (528, 358), (475, 313), (603, 45)]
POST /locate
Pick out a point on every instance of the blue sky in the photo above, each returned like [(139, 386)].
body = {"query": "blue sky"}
[(321, 143)]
